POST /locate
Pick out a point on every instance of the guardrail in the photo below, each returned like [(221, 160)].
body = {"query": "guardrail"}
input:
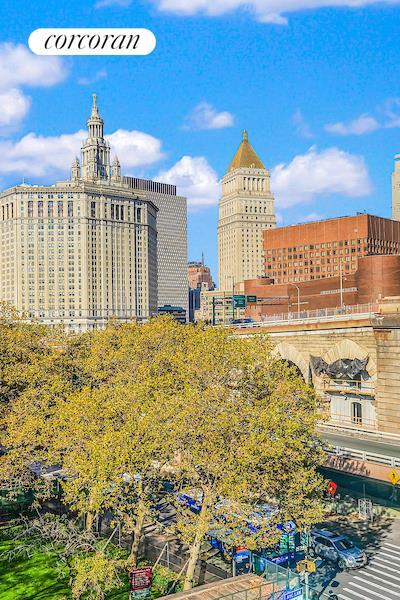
[(349, 385), (315, 316), (339, 420), (380, 459)]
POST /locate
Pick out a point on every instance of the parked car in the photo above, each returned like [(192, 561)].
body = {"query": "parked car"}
[(337, 548)]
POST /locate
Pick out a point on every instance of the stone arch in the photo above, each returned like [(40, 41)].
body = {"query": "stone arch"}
[(290, 353), (350, 349)]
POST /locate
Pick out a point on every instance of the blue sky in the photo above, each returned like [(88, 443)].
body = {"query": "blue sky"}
[(318, 90)]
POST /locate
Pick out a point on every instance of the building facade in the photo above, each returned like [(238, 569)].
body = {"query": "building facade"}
[(199, 279), (246, 208), (377, 277), (217, 308), (171, 239), (83, 250), (396, 189), (311, 251)]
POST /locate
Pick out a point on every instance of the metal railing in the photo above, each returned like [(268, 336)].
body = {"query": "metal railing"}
[(310, 316), (354, 386), (380, 459), (340, 420)]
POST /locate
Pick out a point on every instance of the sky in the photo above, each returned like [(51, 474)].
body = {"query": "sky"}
[(315, 82)]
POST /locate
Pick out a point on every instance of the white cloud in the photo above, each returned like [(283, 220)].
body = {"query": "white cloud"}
[(107, 3), (204, 116), (266, 11), (102, 74), (359, 126), (40, 156), (14, 105), (135, 148), (20, 67), (330, 171), (391, 110), (302, 127), (195, 179)]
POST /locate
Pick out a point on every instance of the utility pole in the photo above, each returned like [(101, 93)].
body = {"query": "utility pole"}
[(341, 282), (298, 298)]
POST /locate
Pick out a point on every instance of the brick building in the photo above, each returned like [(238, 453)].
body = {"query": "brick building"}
[(327, 264), (317, 250)]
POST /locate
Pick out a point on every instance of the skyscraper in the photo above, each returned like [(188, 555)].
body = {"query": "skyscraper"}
[(396, 189), (245, 209), (82, 250)]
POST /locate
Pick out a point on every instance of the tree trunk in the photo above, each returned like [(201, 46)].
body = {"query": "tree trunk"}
[(195, 548), (137, 532), (89, 521)]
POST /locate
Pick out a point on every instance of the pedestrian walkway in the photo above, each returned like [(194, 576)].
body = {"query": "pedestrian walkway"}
[(379, 580)]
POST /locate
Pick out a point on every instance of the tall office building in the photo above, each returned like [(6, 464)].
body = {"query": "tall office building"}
[(171, 239), (396, 189), (83, 250), (246, 208)]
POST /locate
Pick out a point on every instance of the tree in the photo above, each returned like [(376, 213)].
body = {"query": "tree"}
[(122, 409), (245, 435)]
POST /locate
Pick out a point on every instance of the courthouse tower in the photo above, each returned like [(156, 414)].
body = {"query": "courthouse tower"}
[(396, 189), (246, 208)]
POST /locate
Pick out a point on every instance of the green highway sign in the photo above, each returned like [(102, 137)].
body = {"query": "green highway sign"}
[(251, 298), (239, 300)]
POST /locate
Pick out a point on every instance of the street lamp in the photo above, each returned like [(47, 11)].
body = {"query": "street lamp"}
[(298, 298), (233, 296)]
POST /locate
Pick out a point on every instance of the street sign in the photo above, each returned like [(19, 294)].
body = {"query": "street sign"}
[(293, 594), (141, 581), (394, 477), (239, 300), (331, 488), (251, 298)]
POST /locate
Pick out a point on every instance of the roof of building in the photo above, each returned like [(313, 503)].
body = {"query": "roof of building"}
[(245, 156)]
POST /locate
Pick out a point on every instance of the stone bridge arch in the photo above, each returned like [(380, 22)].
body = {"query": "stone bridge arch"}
[(349, 349), (290, 353)]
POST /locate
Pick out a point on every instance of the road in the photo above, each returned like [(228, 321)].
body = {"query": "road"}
[(380, 579), (375, 447)]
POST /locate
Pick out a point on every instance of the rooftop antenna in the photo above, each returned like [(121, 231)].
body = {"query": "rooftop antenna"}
[(202, 259)]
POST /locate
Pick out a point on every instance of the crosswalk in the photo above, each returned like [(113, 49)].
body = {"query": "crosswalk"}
[(379, 580)]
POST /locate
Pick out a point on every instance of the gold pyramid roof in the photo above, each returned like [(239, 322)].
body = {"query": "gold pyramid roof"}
[(245, 156)]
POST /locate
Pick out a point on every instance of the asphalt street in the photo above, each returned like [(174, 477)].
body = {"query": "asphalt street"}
[(380, 578)]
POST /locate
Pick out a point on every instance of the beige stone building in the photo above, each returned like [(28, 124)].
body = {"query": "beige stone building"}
[(216, 307), (83, 250), (396, 189), (246, 208)]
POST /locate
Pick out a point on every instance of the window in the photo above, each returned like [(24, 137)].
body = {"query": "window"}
[(30, 208), (93, 209), (50, 208), (40, 208), (60, 209), (70, 209), (356, 413)]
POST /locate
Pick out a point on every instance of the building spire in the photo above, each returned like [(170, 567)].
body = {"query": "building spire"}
[(246, 157), (95, 150)]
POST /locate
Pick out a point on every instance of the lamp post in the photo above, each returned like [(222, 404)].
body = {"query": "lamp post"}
[(233, 296), (341, 282), (298, 298)]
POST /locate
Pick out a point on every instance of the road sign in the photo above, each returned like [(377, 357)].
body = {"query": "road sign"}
[(141, 580), (293, 594), (332, 488), (251, 298), (394, 477), (239, 300)]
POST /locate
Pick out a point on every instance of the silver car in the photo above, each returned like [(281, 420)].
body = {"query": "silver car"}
[(337, 548)]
